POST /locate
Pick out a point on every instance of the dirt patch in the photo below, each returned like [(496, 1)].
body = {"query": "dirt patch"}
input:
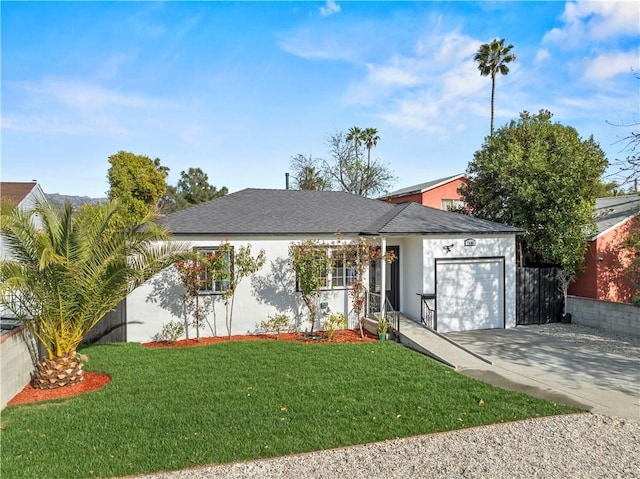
[(91, 382), (342, 336)]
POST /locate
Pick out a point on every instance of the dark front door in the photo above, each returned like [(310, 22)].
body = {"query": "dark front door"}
[(392, 278)]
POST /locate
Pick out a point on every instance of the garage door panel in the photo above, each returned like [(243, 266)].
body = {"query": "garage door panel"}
[(470, 294)]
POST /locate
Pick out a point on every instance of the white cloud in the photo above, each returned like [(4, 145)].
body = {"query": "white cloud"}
[(586, 20), (309, 45), (78, 107), (392, 75), (429, 90), (330, 8), (608, 65), (542, 55)]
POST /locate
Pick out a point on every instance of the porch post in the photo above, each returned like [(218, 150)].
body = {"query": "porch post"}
[(383, 279)]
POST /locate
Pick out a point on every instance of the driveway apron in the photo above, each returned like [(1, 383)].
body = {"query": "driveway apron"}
[(563, 363)]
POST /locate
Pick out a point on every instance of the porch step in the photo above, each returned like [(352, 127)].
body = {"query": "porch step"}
[(431, 343)]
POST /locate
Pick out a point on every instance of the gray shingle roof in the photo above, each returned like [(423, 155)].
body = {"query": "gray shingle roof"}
[(614, 210), (285, 212)]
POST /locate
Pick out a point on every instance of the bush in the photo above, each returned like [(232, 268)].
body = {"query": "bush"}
[(276, 324), (333, 323), (171, 332)]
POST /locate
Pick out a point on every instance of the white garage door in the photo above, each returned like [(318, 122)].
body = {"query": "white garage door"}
[(470, 294)]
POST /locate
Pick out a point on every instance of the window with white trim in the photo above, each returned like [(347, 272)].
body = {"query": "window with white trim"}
[(452, 204), (212, 283), (340, 275)]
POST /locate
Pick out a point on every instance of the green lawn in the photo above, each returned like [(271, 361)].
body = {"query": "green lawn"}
[(168, 409)]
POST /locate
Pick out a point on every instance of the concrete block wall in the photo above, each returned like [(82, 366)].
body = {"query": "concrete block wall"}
[(17, 360), (612, 317)]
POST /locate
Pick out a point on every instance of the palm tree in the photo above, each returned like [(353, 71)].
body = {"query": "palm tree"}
[(492, 59), (370, 138), (356, 135), (65, 269)]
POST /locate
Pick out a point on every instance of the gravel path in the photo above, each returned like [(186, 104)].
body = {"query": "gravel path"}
[(573, 446)]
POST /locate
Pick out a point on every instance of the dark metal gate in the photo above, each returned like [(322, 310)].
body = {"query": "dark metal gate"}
[(539, 296)]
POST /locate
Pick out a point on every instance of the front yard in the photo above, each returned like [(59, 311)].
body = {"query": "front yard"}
[(174, 408)]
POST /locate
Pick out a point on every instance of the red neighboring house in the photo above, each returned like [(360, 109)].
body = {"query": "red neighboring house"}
[(441, 194), (604, 277)]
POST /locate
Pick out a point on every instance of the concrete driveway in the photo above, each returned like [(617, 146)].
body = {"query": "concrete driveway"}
[(565, 363)]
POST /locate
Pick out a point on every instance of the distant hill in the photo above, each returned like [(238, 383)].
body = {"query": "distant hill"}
[(59, 200)]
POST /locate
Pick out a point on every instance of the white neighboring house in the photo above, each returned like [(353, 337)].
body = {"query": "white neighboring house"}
[(468, 264), (24, 195)]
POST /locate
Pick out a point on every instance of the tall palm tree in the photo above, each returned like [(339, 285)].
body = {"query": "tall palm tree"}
[(492, 59), (370, 138), (64, 269), (356, 135)]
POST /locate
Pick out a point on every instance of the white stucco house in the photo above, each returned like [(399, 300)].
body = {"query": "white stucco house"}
[(467, 264)]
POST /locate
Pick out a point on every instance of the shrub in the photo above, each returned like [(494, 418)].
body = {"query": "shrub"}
[(333, 323), (170, 332), (276, 324)]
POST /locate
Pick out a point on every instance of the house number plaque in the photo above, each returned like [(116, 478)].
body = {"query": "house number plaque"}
[(470, 242)]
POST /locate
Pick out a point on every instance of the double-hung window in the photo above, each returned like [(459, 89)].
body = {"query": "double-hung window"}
[(452, 204), (342, 274), (216, 279), (339, 275)]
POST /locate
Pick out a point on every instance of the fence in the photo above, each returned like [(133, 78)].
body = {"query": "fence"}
[(112, 328), (539, 296)]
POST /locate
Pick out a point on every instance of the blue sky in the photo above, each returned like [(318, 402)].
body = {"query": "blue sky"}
[(238, 88)]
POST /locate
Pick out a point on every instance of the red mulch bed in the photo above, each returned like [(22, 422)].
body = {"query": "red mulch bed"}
[(342, 336), (91, 382), (94, 381)]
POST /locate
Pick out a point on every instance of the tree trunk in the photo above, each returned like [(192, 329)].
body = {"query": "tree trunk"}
[(493, 92), (58, 372)]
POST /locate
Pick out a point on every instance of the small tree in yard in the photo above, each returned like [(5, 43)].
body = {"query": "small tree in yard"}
[(193, 278), (311, 264), (359, 256), (242, 265), (565, 278)]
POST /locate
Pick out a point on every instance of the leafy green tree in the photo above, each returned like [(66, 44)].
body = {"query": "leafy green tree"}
[(242, 265), (492, 59), (172, 201), (193, 278), (307, 174), (311, 264), (540, 176), (138, 182), (62, 277), (194, 187)]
